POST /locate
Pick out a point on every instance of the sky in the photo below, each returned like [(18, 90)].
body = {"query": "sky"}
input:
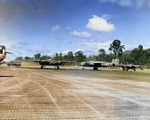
[(28, 27)]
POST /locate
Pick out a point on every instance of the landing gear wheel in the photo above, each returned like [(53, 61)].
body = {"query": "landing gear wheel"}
[(95, 68), (42, 67), (57, 67)]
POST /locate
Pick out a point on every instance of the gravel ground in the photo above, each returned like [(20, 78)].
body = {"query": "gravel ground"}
[(35, 94)]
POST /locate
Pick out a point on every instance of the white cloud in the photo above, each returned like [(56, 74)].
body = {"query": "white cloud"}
[(93, 47), (81, 34), (17, 46), (131, 47), (99, 24), (65, 52), (78, 50), (49, 54), (55, 28)]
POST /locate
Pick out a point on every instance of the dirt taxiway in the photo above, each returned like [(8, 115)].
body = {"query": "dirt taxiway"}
[(36, 94)]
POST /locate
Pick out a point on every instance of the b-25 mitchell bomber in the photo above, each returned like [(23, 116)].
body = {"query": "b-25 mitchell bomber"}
[(96, 64), (49, 62), (127, 67)]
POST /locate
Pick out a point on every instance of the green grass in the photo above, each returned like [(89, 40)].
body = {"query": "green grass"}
[(29, 64), (106, 73), (117, 74)]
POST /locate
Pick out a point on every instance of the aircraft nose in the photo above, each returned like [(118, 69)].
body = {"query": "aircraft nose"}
[(82, 63), (4, 56)]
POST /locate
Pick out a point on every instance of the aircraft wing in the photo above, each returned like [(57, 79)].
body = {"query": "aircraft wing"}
[(8, 52), (130, 66)]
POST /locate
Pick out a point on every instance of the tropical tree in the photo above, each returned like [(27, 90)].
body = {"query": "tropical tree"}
[(117, 48), (102, 54), (37, 56), (138, 55), (70, 56), (140, 47), (141, 54), (19, 58), (27, 58), (56, 56), (91, 58), (109, 57), (79, 56), (44, 57), (60, 56)]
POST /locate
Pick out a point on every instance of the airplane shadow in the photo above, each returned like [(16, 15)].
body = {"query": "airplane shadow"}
[(63, 69), (8, 76), (57, 69)]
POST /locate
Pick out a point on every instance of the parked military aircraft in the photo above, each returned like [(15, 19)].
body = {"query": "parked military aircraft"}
[(14, 63), (96, 64), (127, 67), (51, 62), (3, 53)]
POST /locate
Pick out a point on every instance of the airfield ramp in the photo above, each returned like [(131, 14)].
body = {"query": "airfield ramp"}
[(35, 94)]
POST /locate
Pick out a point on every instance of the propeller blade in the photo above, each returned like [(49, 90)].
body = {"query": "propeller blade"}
[(8, 52)]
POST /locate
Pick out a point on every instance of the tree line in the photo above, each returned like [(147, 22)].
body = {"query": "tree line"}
[(137, 56), (78, 57)]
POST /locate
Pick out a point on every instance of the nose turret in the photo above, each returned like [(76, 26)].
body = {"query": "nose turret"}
[(82, 63)]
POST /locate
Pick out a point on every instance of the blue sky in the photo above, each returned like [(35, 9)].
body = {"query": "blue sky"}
[(28, 27)]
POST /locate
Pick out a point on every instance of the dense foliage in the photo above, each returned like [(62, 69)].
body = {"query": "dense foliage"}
[(138, 56), (78, 56)]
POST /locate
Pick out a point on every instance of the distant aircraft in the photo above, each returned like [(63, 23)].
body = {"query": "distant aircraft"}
[(3, 53), (51, 62), (127, 67), (14, 63), (96, 64)]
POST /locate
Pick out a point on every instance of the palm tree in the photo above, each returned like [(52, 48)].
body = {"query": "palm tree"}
[(117, 48)]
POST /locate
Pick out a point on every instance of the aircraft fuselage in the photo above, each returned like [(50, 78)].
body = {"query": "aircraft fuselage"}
[(50, 63), (96, 64)]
